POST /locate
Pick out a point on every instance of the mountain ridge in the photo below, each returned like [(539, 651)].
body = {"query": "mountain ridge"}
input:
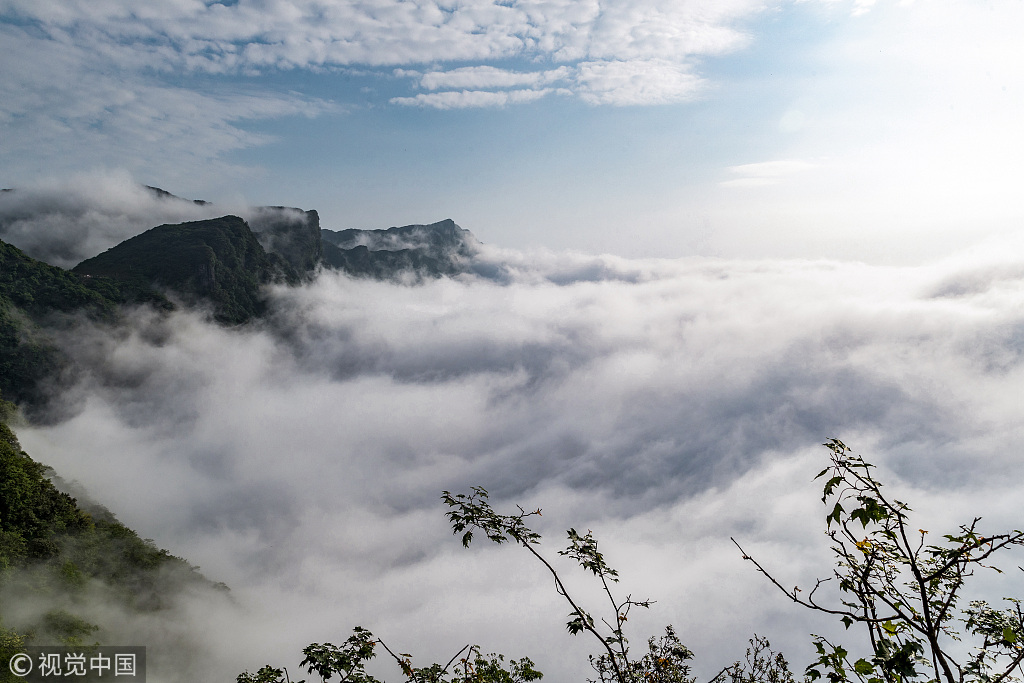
[(217, 260), (221, 264), (60, 554)]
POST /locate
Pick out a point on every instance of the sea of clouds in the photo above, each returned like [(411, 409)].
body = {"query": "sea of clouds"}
[(664, 404)]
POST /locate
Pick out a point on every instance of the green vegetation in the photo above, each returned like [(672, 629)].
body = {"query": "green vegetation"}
[(217, 260), (665, 660), (907, 594), (55, 553), (34, 294), (383, 264), (39, 288), (348, 662)]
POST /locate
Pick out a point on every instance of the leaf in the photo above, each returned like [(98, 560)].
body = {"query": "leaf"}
[(836, 515), (863, 667), (831, 484)]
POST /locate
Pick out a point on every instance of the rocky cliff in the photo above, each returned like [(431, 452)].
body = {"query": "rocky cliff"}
[(433, 250), (218, 260)]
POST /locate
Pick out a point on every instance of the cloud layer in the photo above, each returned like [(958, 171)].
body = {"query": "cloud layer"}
[(78, 87), (664, 404), (65, 222), (174, 92)]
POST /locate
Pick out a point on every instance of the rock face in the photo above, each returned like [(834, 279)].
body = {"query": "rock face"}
[(224, 261), (292, 234), (219, 260), (433, 250)]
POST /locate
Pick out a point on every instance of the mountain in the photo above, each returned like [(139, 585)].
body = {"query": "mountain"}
[(433, 250), (219, 261), (36, 297), (292, 234), (73, 571), (164, 194), (222, 263), (58, 555)]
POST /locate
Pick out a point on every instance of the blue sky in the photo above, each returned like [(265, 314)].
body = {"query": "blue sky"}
[(882, 131)]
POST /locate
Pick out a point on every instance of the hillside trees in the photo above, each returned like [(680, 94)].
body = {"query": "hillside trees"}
[(348, 662), (56, 551)]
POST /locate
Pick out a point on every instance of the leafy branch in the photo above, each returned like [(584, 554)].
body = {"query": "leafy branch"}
[(666, 659), (905, 591), (470, 512)]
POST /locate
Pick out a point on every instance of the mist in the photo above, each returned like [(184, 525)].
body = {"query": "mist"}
[(65, 220), (664, 404)]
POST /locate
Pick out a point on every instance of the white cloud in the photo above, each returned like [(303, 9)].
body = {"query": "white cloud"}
[(251, 36), (465, 99), (664, 404), (862, 6), (58, 99), (766, 172), (667, 29), (595, 82), (488, 77), (636, 82)]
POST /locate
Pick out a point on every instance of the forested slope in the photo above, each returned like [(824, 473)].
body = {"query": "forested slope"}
[(58, 555)]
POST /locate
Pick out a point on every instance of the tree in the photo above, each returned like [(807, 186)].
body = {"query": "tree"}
[(348, 663), (905, 592), (666, 659)]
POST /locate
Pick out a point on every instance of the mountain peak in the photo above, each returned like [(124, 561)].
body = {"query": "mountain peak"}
[(164, 194), (430, 250), (218, 259)]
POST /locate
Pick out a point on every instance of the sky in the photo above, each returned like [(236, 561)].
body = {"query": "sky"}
[(880, 131), (732, 231)]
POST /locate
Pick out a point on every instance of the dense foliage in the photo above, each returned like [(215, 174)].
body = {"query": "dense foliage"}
[(348, 662), (33, 293), (54, 551), (37, 287)]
